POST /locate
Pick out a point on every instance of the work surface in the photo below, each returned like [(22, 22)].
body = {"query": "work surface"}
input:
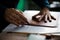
[(33, 29), (28, 14)]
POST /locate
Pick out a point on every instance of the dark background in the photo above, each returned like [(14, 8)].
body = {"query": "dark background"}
[(54, 6)]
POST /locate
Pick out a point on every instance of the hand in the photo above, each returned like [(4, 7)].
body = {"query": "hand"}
[(44, 15), (15, 17)]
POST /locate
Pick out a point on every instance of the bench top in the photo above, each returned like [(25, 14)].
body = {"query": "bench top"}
[(32, 29)]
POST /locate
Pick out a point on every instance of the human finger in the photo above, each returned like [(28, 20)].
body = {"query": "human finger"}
[(10, 20), (20, 14), (16, 14), (53, 17), (49, 18), (45, 20)]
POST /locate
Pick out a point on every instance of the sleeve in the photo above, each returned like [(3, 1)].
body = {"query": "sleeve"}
[(42, 3)]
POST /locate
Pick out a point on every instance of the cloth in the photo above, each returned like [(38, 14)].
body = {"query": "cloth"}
[(21, 5), (42, 3)]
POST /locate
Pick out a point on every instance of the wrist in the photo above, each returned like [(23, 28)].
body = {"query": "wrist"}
[(45, 8)]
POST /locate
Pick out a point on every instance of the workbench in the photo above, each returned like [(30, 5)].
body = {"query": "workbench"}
[(29, 29)]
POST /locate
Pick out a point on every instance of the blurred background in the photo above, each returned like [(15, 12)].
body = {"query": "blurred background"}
[(54, 5)]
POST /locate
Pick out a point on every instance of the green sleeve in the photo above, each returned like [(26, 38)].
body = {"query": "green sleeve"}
[(21, 5)]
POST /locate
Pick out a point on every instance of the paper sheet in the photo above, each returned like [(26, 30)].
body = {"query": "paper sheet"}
[(28, 14)]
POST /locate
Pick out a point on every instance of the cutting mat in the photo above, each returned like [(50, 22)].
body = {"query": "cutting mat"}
[(29, 13)]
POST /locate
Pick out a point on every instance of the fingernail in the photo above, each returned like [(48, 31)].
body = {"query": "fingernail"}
[(38, 16), (54, 19), (50, 21), (45, 21)]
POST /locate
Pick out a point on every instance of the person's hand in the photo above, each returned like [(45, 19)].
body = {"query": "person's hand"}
[(15, 17), (44, 15)]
